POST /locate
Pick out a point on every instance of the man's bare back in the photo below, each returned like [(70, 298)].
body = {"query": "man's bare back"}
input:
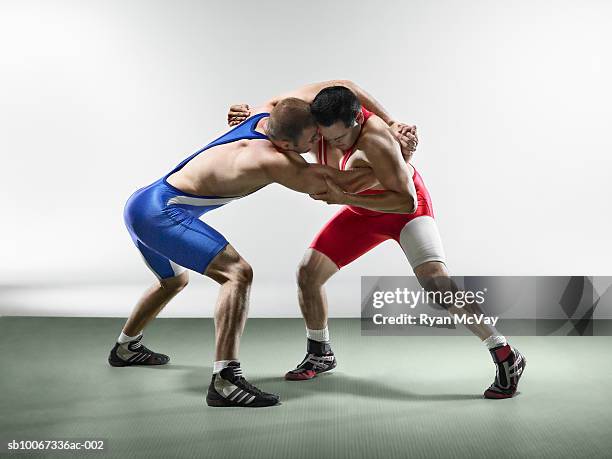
[(230, 169), (242, 167)]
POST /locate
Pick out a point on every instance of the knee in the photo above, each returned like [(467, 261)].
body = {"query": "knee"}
[(241, 272), (175, 284), (434, 277), (229, 266), (307, 276), (441, 284), (431, 269)]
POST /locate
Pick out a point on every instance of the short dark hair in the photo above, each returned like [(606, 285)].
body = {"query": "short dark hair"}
[(288, 119), (333, 104)]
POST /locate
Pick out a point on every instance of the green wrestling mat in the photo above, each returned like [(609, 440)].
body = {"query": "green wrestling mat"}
[(390, 397)]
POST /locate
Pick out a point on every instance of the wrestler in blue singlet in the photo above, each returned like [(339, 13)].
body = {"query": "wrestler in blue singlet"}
[(164, 221)]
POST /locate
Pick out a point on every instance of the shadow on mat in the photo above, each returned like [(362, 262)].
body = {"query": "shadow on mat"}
[(342, 383), (173, 367), (197, 381)]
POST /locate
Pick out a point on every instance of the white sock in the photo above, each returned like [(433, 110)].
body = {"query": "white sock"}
[(495, 341), (219, 365), (318, 335), (123, 338)]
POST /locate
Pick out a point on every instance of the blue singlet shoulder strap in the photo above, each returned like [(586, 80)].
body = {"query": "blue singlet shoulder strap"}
[(244, 131)]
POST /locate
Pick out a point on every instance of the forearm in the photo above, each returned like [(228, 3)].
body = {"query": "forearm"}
[(312, 179), (368, 101), (386, 201), (309, 179), (354, 180)]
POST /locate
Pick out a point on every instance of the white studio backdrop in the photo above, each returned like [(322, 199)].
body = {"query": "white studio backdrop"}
[(97, 98)]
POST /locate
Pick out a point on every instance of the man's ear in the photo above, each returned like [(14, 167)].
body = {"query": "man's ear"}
[(360, 118)]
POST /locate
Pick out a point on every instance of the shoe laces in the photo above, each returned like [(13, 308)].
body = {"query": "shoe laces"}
[(240, 379), (137, 346), (250, 387), (238, 372), (312, 361)]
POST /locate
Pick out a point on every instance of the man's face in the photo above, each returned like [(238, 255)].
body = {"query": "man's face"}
[(308, 140), (338, 135)]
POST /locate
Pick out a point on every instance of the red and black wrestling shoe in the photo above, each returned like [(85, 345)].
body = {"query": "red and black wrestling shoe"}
[(319, 359), (510, 365)]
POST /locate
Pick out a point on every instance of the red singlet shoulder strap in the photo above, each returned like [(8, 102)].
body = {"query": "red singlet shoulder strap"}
[(322, 152), (366, 114)]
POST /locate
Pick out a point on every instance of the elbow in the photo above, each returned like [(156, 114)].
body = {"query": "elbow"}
[(346, 83), (410, 204)]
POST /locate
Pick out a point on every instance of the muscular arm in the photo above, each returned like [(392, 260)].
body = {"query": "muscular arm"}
[(292, 171), (308, 93), (405, 134), (391, 171)]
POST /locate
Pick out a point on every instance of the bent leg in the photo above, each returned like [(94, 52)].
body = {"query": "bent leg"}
[(235, 276), (168, 246), (314, 271), (343, 239)]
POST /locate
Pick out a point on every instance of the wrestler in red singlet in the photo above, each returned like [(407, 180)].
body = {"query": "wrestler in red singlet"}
[(354, 231)]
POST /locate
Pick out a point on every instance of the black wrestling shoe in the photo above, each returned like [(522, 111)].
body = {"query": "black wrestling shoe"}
[(135, 353), (510, 365), (319, 359), (229, 388)]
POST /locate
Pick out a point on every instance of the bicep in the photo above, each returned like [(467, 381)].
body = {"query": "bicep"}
[(389, 166), (296, 174), (307, 93)]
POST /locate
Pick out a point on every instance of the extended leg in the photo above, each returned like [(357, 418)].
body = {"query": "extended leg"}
[(433, 276), (422, 245), (128, 349), (153, 301), (509, 362)]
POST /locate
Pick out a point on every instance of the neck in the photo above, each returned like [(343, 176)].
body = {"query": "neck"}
[(262, 127), (355, 132)]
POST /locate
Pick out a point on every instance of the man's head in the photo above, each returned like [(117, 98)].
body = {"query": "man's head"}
[(292, 127), (337, 111)]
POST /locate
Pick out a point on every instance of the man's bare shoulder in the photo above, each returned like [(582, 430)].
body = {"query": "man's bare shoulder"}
[(264, 155), (377, 142), (376, 136)]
